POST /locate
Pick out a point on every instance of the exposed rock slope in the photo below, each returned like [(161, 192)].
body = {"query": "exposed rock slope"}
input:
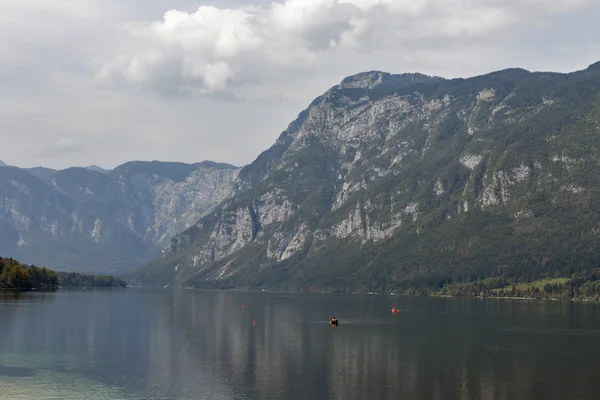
[(390, 180), (104, 221)]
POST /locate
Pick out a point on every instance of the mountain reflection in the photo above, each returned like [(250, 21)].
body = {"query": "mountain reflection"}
[(189, 345)]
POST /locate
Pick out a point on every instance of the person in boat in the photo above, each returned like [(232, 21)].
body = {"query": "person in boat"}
[(334, 321)]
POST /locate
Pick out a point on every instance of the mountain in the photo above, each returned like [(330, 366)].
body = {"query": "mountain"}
[(2, 163), (395, 182), (96, 168), (83, 220)]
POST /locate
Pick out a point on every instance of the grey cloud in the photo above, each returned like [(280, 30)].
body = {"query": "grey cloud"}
[(61, 147), (208, 51), (274, 97), (105, 73)]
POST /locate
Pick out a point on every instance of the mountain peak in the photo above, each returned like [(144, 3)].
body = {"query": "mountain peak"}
[(372, 79), (216, 165), (363, 80), (2, 164), (594, 66), (96, 169)]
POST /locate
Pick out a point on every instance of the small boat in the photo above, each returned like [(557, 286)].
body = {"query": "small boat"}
[(334, 321)]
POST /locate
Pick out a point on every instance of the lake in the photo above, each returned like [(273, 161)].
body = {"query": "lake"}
[(168, 344)]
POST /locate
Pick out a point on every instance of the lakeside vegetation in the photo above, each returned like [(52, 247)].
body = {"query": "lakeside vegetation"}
[(17, 276), (14, 275), (73, 279), (578, 287)]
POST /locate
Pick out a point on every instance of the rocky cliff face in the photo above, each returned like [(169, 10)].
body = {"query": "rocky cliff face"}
[(391, 179), (90, 220)]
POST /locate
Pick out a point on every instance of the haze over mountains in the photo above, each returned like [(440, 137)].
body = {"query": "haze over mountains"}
[(388, 182), (93, 220)]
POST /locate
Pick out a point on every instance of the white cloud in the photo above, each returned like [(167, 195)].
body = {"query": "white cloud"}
[(90, 70), (217, 50)]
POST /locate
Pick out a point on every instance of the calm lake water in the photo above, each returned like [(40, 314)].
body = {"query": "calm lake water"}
[(163, 344)]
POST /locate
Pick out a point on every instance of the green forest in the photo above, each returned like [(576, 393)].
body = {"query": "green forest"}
[(578, 287), (17, 276), (73, 279)]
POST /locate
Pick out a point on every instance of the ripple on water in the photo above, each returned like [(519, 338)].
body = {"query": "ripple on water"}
[(20, 372), (28, 384)]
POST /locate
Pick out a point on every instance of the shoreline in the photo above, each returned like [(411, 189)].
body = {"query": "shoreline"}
[(366, 294)]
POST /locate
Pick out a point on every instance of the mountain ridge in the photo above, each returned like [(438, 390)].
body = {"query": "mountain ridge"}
[(85, 220), (419, 182)]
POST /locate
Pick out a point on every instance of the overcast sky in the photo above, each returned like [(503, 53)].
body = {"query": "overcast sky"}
[(107, 81)]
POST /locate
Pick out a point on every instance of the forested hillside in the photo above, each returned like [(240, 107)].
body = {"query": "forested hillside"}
[(397, 183)]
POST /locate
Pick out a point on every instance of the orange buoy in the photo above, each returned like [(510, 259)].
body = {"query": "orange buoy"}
[(254, 322), (243, 306), (395, 310)]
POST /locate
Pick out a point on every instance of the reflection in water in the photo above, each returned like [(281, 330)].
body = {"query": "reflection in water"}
[(139, 344), (16, 371)]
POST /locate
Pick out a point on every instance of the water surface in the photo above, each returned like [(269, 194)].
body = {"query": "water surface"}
[(164, 344)]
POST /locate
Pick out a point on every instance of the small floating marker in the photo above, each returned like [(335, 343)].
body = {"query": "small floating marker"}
[(395, 310), (254, 322), (243, 306)]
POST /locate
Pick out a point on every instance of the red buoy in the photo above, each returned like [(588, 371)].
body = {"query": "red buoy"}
[(254, 322), (242, 306)]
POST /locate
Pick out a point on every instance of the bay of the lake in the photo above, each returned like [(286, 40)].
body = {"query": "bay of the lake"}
[(182, 344)]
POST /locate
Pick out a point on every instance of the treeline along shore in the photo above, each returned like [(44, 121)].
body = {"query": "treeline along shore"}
[(17, 276)]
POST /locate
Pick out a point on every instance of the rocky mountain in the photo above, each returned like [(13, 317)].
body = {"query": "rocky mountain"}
[(86, 220), (389, 182)]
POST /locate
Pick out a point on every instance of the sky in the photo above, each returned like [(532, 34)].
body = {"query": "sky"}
[(108, 81)]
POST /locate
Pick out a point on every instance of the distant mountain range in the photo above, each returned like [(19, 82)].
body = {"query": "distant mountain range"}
[(393, 182), (94, 220)]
